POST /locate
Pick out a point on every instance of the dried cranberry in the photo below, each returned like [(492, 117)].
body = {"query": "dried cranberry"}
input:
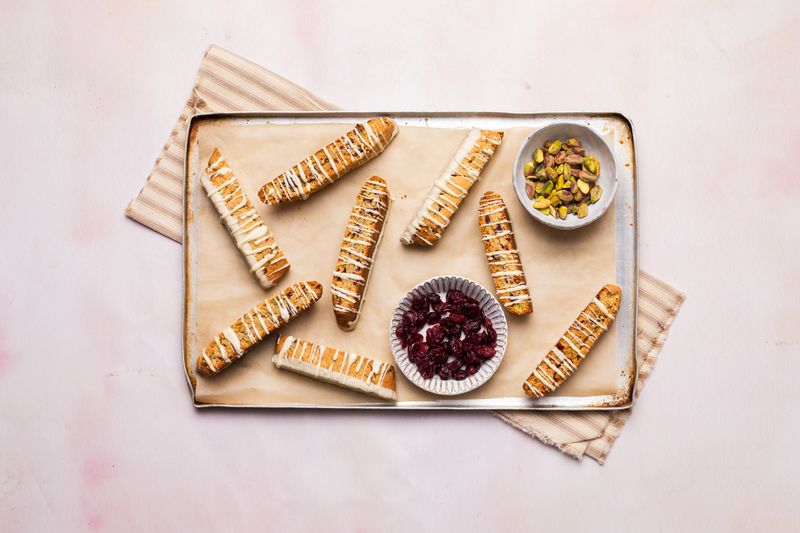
[(444, 373), (471, 358), (419, 348), (435, 334), (471, 326), (442, 308), (419, 304), (433, 298), (415, 338), (400, 330), (471, 369), (472, 310), (456, 346), (459, 375), (454, 365), (484, 352), (437, 355), (457, 318), (466, 346), (454, 296), (432, 317), (425, 370), (410, 319)]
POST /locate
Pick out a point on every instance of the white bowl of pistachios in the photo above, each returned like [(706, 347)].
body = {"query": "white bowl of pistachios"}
[(565, 175)]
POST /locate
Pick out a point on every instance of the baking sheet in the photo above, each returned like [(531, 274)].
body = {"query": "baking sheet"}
[(564, 269)]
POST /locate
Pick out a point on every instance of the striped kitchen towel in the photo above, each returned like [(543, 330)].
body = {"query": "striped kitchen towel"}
[(227, 82)]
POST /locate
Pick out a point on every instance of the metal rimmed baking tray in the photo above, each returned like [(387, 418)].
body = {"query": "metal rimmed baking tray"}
[(612, 126)]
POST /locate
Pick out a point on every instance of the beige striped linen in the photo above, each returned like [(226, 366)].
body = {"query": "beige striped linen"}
[(227, 82)]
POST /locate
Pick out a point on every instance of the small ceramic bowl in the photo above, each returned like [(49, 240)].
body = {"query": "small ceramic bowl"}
[(491, 309), (594, 145)]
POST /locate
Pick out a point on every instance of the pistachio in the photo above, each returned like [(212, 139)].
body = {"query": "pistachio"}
[(554, 147), (573, 160), (529, 168), (562, 179), (541, 203)]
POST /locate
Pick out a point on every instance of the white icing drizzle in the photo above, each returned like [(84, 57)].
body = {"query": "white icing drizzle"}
[(308, 358), (271, 314), (509, 279), (360, 144), (467, 164), (577, 335), (363, 230), (248, 230)]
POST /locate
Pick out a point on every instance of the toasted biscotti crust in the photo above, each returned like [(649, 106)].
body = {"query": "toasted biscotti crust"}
[(331, 162), (246, 227), (348, 370), (505, 266), (573, 346), (357, 253), (233, 342), (450, 189)]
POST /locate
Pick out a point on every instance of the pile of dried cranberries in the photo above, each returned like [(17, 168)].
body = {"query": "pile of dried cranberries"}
[(460, 337)]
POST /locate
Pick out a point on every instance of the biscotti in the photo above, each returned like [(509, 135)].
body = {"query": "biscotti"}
[(252, 237), (349, 370), (450, 189), (357, 253), (502, 255), (262, 319), (331, 162), (571, 349)]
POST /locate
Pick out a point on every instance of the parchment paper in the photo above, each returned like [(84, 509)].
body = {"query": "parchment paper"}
[(564, 269)]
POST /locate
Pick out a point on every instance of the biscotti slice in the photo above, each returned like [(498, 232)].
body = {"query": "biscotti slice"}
[(502, 255), (450, 189), (357, 253), (262, 319), (571, 349), (252, 237), (331, 162), (349, 370)]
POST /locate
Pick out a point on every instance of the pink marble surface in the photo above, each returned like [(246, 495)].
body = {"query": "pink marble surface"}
[(97, 431)]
